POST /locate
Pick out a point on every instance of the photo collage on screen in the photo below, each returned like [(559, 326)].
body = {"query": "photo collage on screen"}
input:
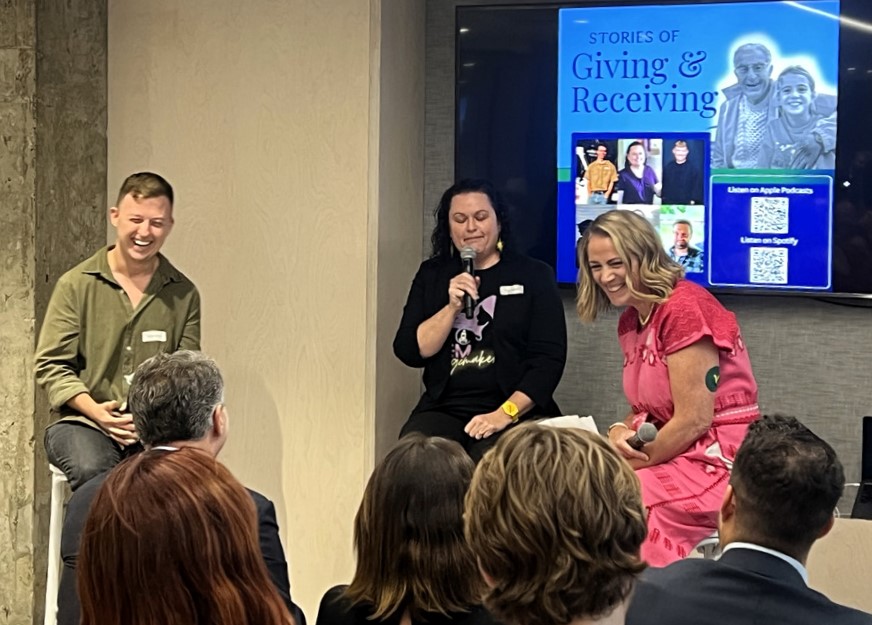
[(717, 122), (662, 178)]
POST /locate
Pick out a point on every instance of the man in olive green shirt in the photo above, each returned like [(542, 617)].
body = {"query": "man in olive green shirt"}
[(106, 316)]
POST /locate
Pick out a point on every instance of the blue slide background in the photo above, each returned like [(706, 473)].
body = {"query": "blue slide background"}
[(695, 45)]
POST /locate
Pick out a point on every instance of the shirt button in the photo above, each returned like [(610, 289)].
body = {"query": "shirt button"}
[(129, 348)]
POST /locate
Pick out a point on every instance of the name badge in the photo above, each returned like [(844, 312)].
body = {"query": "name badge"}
[(154, 336), (512, 289)]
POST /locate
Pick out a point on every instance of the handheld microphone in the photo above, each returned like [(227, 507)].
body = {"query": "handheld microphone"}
[(645, 434), (467, 255)]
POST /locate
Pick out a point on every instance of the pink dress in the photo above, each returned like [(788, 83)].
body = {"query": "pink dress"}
[(683, 495)]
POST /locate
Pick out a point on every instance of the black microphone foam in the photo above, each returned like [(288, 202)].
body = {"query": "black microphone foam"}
[(645, 434), (467, 255)]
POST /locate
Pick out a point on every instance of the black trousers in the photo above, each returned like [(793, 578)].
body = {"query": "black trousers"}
[(445, 425)]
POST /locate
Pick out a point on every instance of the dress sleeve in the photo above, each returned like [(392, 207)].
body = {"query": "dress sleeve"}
[(690, 315)]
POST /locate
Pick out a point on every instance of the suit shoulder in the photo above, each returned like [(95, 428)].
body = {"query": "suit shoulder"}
[(260, 502), (689, 568)]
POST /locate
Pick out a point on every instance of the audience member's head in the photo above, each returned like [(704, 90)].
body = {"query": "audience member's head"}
[(408, 532), (785, 485), (178, 398), (171, 538), (556, 520)]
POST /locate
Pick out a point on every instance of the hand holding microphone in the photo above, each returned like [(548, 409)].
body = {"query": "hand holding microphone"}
[(645, 434), (635, 441)]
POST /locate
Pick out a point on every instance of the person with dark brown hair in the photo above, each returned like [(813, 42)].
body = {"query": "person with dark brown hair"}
[(171, 538), (555, 518), (781, 499), (413, 564), (492, 345)]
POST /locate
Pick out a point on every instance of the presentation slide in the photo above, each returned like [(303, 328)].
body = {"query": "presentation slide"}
[(717, 122)]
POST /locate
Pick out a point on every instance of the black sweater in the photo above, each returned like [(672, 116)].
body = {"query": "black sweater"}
[(529, 329)]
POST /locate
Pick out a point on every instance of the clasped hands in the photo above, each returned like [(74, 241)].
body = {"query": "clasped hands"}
[(116, 422)]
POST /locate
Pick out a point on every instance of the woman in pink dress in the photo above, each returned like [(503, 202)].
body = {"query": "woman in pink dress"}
[(686, 370)]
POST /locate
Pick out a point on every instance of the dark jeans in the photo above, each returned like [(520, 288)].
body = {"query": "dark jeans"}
[(433, 423), (82, 452)]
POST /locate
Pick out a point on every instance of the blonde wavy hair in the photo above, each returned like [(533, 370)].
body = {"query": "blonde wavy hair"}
[(556, 519), (651, 273)]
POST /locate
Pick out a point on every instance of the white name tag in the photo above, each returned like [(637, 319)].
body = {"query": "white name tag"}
[(512, 289), (154, 336)]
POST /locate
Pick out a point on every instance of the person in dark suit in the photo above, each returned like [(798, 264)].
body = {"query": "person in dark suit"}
[(168, 418), (784, 488)]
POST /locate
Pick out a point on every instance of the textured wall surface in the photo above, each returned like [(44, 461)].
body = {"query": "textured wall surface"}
[(17, 181), (810, 356), (52, 214)]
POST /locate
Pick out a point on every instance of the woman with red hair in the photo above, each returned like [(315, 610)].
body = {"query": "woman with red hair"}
[(171, 538)]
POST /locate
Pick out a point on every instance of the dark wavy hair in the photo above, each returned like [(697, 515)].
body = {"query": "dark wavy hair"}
[(627, 154), (441, 237), (408, 533)]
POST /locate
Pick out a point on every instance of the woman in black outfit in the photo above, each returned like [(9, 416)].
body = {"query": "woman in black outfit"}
[(413, 565), (483, 373)]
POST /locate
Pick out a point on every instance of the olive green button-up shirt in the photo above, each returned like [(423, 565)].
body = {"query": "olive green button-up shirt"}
[(92, 339)]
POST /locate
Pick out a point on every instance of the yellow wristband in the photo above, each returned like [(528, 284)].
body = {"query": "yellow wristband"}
[(511, 409)]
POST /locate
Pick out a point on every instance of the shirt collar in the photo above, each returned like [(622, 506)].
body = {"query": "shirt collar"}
[(98, 264), (796, 564)]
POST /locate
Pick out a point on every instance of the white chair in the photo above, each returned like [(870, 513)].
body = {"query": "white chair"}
[(55, 524), (709, 548)]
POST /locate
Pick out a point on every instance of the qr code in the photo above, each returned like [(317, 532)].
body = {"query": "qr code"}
[(769, 265), (769, 215)]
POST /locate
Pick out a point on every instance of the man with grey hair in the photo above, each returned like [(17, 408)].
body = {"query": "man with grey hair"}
[(177, 400), (749, 107)]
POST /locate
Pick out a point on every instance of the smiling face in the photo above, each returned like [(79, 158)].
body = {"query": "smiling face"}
[(795, 94), (142, 226), (681, 234), (636, 156), (753, 71), (609, 271), (474, 224), (679, 153)]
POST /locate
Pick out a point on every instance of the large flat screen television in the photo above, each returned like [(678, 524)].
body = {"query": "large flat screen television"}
[(740, 129)]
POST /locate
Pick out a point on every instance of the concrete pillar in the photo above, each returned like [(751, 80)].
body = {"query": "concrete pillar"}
[(52, 215)]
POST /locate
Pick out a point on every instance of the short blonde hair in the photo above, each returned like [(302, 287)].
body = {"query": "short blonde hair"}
[(555, 517), (652, 273)]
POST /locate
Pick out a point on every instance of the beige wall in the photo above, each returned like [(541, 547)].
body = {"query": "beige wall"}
[(267, 118)]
